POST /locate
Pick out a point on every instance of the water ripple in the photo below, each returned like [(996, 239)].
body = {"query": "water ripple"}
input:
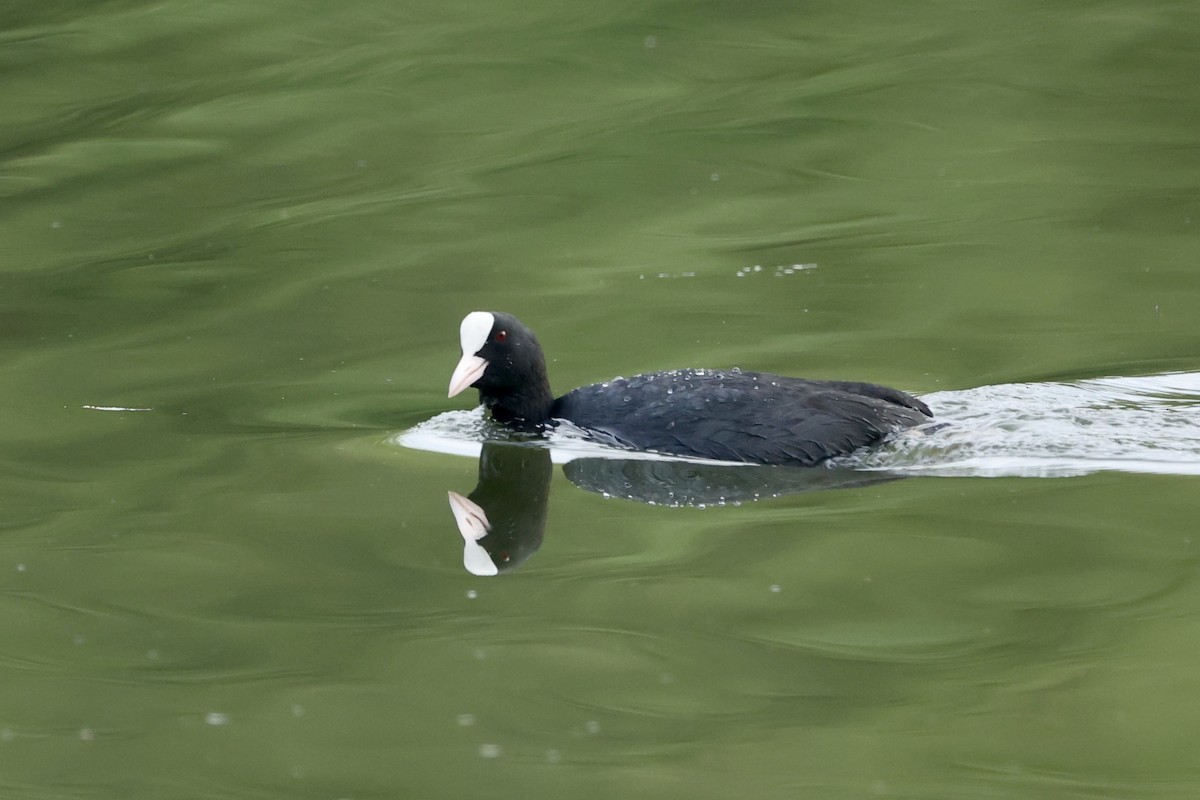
[(1147, 424)]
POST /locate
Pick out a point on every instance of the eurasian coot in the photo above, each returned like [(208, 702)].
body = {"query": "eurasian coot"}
[(728, 415)]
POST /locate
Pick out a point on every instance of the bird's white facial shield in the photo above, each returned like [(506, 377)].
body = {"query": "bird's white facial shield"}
[(473, 335)]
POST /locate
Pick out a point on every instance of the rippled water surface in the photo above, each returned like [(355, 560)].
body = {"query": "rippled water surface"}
[(236, 240)]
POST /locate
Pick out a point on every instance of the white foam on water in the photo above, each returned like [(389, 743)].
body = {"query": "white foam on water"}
[(1148, 424)]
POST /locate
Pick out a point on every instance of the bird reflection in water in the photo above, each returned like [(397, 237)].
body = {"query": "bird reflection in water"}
[(503, 520)]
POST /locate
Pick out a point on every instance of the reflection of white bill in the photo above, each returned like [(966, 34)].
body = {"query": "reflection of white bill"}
[(473, 524)]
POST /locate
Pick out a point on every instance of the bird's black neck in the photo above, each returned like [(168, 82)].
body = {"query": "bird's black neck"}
[(523, 409)]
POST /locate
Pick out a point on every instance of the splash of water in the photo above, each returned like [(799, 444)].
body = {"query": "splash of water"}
[(1141, 424)]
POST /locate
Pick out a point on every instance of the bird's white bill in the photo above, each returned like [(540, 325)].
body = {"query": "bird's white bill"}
[(469, 370), (473, 524)]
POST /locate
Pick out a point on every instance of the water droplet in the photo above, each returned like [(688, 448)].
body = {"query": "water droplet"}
[(489, 751), (592, 727), (216, 718), (465, 720), (776, 588)]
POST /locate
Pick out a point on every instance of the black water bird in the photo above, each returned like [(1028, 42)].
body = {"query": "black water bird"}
[(727, 415)]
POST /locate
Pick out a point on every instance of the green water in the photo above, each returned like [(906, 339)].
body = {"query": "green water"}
[(261, 222)]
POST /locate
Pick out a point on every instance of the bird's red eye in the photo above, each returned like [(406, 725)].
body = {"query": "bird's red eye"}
[(501, 336)]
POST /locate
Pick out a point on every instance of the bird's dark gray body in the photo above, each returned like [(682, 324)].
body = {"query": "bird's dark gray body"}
[(739, 416), (729, 415)]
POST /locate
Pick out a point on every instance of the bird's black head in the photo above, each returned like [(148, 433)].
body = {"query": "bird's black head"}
[(503, 360)]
